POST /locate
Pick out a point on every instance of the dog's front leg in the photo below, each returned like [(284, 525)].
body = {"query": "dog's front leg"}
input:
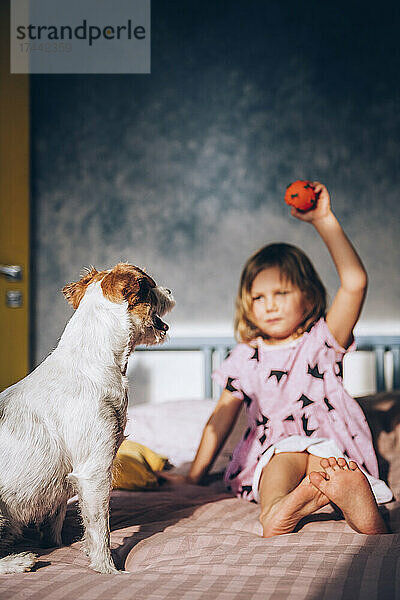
[(94, 498)]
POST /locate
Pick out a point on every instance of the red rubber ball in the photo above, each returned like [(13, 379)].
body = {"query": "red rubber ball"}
[(301, 195)]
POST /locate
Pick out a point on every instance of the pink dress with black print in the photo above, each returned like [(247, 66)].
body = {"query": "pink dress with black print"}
[(295, 402)]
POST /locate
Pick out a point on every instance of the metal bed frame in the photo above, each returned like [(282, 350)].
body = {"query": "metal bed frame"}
[(218, 347)]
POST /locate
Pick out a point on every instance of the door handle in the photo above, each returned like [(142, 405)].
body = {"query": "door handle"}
[(13, 272)]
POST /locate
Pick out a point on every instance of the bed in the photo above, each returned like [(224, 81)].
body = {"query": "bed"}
[(199, 542)]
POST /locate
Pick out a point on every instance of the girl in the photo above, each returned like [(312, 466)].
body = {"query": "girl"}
[(287, 369)]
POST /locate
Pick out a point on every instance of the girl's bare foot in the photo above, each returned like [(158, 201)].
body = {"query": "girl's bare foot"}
[(286, 512), (347, 487)]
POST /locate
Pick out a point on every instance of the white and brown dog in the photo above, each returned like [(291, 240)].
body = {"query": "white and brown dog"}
[(61, 426)]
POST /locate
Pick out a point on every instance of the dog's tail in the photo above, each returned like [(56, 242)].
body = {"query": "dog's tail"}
[(17, 563)]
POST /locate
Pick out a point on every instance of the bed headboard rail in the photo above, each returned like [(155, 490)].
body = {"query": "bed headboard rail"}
[(211, 348), (215, 349), (379, 345)]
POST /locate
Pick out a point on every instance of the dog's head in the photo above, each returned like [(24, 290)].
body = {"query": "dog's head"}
[(145, 301)]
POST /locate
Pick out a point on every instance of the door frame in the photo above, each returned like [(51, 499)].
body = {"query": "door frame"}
[(15, 345)]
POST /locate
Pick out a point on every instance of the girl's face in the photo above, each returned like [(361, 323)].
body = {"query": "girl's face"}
[(278, 307)]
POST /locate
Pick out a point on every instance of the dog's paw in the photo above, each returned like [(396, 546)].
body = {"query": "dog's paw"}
[(17, 563)]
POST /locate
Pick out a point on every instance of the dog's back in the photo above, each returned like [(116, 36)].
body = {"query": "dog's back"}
[(49, 425), (33, 456)]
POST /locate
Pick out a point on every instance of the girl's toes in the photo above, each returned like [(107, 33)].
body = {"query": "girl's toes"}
[(324, 462), (342, 463), (353, 466), (333, 463)]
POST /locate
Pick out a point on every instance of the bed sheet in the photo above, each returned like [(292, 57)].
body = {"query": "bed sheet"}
[(200, 543), (192, 542)]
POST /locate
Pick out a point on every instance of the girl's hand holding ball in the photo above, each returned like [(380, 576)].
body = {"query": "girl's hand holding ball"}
[(301, 195), (309, 200)]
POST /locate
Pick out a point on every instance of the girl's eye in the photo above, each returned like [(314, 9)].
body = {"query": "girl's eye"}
[(283, 293), (257, 298)]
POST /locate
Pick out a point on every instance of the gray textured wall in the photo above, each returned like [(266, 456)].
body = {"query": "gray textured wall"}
[(183, 171)]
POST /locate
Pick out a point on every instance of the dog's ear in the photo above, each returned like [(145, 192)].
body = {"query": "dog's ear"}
[(120, 285), (128, 283), (75, 291), (136, 291)]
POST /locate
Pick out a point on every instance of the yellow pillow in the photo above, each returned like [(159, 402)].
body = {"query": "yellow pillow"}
[(134, 467)]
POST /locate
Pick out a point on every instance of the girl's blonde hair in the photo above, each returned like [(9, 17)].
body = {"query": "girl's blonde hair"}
[(295, 268)]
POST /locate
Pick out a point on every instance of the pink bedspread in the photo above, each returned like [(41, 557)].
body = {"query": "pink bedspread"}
[(195, 543)]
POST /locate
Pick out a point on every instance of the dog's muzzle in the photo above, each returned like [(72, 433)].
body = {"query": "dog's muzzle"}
[(159, 324)]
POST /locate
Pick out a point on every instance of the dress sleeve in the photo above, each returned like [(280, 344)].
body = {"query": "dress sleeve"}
[(230, 375), (324, 336)]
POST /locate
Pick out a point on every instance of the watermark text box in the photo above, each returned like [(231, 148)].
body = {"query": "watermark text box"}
[(80, 36)]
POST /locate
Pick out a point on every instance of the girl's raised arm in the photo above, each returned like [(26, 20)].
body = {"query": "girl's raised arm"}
[(347, 304)]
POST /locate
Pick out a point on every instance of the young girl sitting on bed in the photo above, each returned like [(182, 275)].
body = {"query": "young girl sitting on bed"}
[(288, 372)]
